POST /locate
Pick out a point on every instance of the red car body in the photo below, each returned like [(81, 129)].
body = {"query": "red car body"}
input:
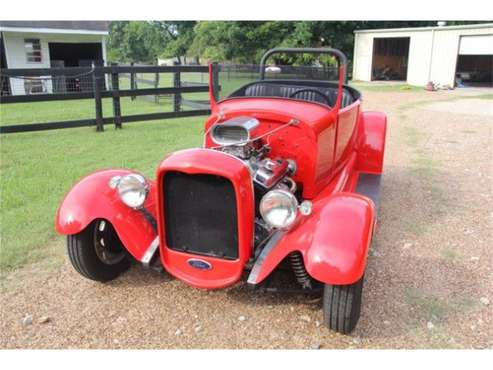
[(338, 151)]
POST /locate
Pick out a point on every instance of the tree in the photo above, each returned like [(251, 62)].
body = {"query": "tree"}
[(235, 41), (241, 42), (134, 41), (115, 40), (177, 37), (141, 42)]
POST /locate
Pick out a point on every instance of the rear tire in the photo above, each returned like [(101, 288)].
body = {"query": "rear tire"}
[(97, 253), (342, 306)]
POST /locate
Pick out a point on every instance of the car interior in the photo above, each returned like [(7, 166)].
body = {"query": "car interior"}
[(321, 92)]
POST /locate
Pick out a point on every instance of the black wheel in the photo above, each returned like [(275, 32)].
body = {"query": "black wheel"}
[(97, 253), (342, 306)]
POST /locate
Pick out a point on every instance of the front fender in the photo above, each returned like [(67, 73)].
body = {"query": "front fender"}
[(333, 241), (92, 198), (339, 248)]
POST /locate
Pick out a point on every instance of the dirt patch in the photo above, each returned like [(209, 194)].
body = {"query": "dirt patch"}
[(428, 281), (482, 107)]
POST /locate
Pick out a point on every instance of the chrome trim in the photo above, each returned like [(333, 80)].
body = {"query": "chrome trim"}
[(113, 183), (145, 183), (275, 238), (293, 200), (149, 253), (246, 123), (270, 172)]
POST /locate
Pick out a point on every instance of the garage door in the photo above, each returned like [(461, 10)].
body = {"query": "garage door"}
[(476, 45)]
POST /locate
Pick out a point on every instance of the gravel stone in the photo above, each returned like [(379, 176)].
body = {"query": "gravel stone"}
[(484, 301), (44, 319), (27, 320), (242, 318), (356, 340), (178, 332), (305, 318)]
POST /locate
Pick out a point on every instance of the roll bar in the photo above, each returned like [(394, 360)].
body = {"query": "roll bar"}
[(341, 58)]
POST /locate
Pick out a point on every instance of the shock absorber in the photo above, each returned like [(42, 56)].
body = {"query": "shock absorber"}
[(299, 270)]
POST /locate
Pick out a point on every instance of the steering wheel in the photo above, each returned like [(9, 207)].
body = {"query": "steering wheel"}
[(313, 91)]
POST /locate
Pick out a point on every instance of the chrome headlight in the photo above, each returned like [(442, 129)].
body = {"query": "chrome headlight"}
[(132, 189), (279, 208)]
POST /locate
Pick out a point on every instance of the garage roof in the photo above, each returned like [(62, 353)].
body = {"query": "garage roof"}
[(84, 27), (418, 29)]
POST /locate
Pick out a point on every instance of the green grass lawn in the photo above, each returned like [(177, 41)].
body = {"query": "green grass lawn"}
[(384, 86), (40, 112), (20, 113), (38, 168)]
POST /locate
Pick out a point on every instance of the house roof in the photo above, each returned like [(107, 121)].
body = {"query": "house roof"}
[(83, 27), (418, 29)]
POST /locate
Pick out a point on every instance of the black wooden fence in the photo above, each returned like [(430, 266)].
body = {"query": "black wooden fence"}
[(95, 88)]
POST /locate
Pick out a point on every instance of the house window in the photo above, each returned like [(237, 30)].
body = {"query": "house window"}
[(34, 86), (33, 50)]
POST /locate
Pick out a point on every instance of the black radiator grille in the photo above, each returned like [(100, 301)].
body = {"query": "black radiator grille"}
[(200, 215)]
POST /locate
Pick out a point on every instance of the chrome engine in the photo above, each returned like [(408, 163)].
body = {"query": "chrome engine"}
[(266, 172), (234, 138)]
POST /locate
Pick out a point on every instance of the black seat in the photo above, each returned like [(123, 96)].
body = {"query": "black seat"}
[(284, 91)]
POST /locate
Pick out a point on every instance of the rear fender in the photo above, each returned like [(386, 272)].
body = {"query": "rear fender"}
[(372, 129), (92, 198), (333, 241)]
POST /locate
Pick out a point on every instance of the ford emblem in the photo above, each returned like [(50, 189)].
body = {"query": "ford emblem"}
[(199, 264)]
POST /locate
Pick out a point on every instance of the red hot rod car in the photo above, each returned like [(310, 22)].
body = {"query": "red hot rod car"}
[(288, 174)]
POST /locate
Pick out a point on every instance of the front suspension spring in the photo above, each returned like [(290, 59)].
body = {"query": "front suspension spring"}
[(299, 270)]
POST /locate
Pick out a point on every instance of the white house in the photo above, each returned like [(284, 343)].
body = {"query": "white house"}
[(447, 55), (45, 44)]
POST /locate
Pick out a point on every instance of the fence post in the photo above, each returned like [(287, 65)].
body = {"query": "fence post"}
[(177, 84), (215, 80), (97, 98), (133, 84), (156, 85), (115, 90)]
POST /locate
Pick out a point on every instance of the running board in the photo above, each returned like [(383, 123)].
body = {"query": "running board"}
[(369, 186)]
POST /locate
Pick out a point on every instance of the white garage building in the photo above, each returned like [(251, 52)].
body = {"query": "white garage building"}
[(47, 44), (444, 54)]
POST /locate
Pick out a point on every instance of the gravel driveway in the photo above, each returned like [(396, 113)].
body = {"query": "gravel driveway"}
[(428, 282)]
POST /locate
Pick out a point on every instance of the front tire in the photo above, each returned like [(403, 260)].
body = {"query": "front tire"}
[(342, 306), (97, 253)]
